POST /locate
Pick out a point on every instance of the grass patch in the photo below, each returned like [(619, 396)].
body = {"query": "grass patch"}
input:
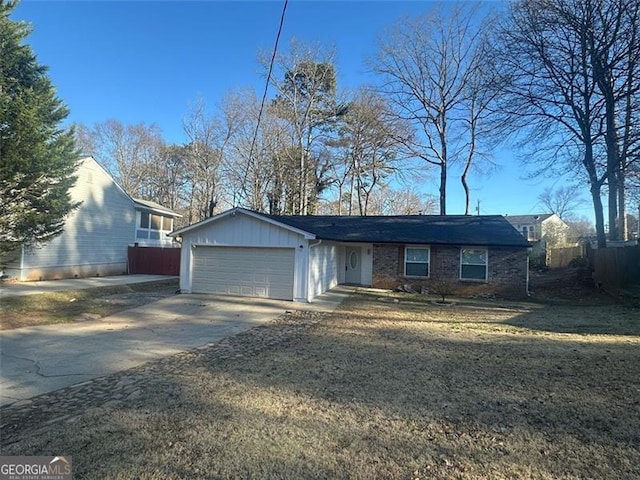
[(380, 391), (70, 305)]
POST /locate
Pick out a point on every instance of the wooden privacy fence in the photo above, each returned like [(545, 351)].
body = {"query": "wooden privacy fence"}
[(616, 267), (154, 260), (560, 257)]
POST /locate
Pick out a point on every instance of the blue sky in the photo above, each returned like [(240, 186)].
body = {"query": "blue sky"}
[(146, 61)]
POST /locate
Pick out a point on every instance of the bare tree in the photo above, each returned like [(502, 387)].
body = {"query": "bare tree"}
[(614, 43), (580, 227), (208, 142), (401, 201), (168, 178), (481, 90), (572, 73), (561, 201), (427, 64), (306, 99), (128, 152), (550, 99), (370, 149)]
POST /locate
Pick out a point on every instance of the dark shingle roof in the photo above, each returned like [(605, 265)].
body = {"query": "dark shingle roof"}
[(485, 230)]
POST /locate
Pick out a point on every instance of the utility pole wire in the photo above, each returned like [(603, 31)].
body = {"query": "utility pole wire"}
[(266, 85)]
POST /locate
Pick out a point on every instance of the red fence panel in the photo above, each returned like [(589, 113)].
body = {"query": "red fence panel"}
[(154, 260)]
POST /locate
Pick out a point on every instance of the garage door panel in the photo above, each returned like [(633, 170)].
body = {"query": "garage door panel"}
[(256, 272)]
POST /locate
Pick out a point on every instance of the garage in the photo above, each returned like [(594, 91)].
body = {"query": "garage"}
[(245, 271)]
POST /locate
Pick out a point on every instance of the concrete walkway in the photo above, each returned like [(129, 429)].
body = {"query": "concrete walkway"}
[(14, 289), (37, 360)]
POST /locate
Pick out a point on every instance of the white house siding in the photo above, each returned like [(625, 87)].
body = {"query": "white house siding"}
[(242, 230), (323, 268), (96, 235)]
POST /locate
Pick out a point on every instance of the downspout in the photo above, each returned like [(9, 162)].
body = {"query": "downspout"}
[(527, 265)]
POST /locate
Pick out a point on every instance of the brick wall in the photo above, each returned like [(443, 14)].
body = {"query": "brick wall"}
[(507, 270)]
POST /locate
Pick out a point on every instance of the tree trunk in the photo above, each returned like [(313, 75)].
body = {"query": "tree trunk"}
[(613, 175), (596, 191), (465, 186), (599, 215), (622, 209), (443, 188)]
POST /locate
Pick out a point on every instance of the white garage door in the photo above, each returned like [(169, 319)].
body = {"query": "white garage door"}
[(252, 272)]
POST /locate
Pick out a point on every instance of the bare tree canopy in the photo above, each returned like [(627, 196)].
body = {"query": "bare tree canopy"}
[(128, 152), (306, 100), (368, 152), (571, 80), (427, 65), (562, 201)]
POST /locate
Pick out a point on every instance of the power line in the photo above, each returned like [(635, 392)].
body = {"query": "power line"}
[(266, 85)]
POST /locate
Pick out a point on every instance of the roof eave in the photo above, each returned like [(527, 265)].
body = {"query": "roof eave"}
[(157, 210), (249, 213)]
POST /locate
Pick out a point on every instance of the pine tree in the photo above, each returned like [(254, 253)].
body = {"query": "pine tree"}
[(37, 156)]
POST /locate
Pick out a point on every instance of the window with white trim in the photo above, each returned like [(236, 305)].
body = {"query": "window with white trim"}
[(416, 261), (153, 226), (473, 264)]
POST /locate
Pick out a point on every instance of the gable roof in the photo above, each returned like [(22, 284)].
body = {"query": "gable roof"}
[(154, 207), (137, 202), (250, 213), (528, 219), (485, 230)]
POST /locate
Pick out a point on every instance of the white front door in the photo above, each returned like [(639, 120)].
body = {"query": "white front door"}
[(353, 268)]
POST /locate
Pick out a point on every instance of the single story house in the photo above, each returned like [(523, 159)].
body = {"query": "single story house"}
[(242, 252), (97, 234)]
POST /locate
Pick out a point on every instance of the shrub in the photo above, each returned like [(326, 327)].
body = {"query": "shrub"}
[(579, 262)]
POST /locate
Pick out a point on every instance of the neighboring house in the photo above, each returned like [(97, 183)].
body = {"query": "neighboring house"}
[(154, 223), (241, 252), (97, 234), (543, 230)]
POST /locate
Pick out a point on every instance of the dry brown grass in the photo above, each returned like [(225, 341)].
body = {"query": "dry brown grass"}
[(70, 305), (384, 391)]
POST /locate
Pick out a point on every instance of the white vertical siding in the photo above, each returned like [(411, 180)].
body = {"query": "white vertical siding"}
[(323, 268), (242, 230), (96, 235)]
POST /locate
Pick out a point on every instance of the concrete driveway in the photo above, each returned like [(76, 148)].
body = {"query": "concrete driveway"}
[(37, 360), (14, 289)]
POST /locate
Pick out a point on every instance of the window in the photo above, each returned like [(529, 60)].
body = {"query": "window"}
[(473, 264), (156, 222), (153, 227), (416, 262)]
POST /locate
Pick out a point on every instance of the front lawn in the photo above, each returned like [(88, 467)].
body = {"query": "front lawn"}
[(79, 305), (377, 390)]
